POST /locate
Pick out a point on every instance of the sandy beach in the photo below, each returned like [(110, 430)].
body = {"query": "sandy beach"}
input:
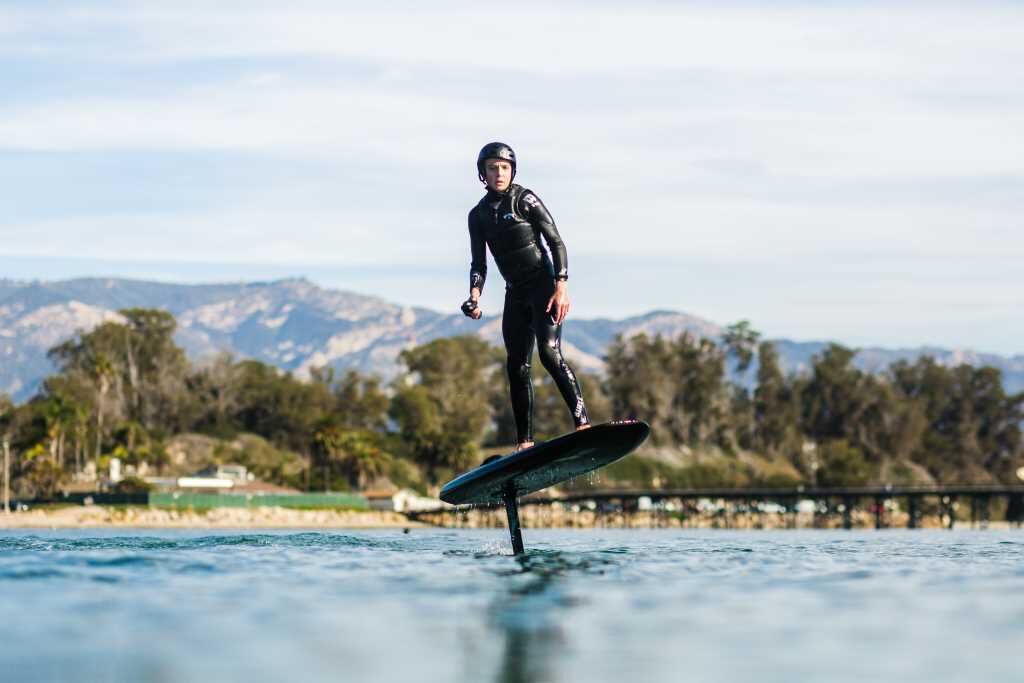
[(99, 516)]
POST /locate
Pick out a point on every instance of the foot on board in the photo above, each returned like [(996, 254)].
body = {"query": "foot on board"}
[(519, 447)]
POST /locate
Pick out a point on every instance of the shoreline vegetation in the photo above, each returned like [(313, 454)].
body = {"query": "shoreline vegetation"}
[(127, 411)]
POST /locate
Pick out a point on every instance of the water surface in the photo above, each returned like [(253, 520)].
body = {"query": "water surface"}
[(454, 605)]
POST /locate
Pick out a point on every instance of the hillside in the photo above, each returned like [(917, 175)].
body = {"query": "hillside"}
[(295, 325)]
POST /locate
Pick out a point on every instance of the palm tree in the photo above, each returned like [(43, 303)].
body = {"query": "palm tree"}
[(6, 417), (354, 452), (60, 415), (102, 373)]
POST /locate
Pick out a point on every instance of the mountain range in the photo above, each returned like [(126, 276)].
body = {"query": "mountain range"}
[(296, 325)]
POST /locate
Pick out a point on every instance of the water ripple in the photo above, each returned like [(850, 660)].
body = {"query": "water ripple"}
[(456, 605)]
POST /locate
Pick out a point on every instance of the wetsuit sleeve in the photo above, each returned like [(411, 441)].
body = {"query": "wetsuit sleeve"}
[(478, 249), (537, 214)]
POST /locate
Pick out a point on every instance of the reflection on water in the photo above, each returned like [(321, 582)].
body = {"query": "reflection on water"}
[(447, 605), (529, 612), (531, 635)]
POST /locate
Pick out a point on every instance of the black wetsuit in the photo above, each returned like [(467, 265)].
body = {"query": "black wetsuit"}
[(511, 224)]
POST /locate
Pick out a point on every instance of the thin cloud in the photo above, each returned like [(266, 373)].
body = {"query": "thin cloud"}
[(762, 161)]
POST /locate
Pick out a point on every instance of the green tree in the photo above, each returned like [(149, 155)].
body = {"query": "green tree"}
[(156, 368), (90, 361), (701, 402), (361, 402), (442, 403), (740, 339), (214, 388), (775, 410), (973, 430), (6, 421), (842, 464), (42, 477), (678, 387), (280, 408), (355, 454), (61, 415), (832, 399), (641, 379)]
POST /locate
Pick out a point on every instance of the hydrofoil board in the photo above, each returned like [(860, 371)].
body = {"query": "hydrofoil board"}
[(546, 464)]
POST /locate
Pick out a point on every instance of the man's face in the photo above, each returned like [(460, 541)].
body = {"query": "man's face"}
[(498, 173)]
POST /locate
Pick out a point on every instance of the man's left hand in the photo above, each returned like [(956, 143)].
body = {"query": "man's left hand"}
[(558, 304)]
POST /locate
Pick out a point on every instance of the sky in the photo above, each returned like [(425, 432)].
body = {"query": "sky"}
[(826, 170)]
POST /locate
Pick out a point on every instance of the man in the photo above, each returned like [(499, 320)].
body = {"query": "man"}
[(510, 220)]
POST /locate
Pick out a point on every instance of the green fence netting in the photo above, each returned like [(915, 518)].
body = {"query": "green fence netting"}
[(205, 501)]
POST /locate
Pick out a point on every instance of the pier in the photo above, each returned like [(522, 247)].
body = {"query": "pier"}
[(878, 506)]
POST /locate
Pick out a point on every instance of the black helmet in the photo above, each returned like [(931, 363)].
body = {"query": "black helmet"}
[(495, 150)]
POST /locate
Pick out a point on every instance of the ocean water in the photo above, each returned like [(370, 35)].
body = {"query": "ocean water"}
[(455, 605)]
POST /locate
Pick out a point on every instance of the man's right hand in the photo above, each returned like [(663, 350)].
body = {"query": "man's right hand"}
[(471, 308)]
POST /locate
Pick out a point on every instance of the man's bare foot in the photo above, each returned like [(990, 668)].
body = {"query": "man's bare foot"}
[(524, 445), (584, 426)]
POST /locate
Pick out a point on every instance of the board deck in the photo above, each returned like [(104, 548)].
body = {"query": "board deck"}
[(546, 464)]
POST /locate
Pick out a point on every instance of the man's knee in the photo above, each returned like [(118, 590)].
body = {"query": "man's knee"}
[(550, 356), (518, 369)]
